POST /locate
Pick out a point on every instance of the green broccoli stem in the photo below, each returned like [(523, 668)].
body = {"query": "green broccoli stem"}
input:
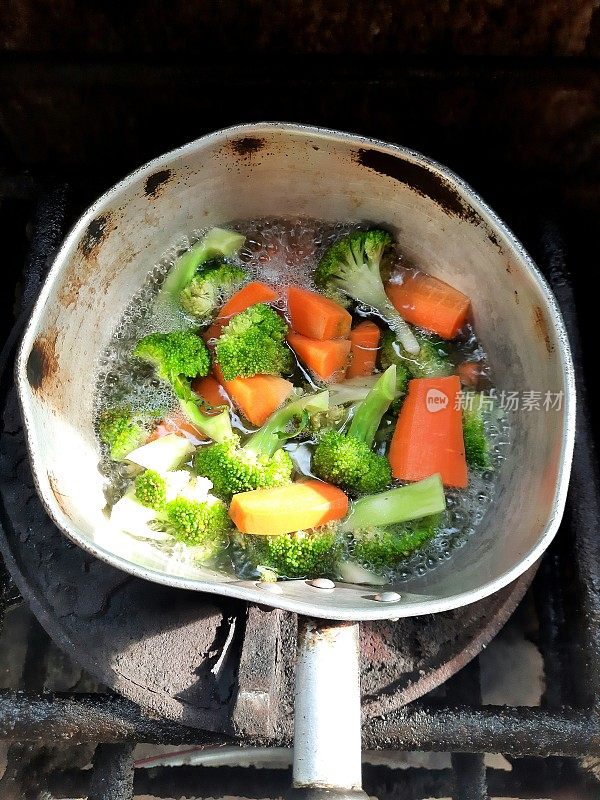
[(268, 439), (413, 501), (367, 417), (401, 328), (217, 242), (216, 426)]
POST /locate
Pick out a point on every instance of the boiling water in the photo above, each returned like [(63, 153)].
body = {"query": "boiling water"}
[(281, 252)]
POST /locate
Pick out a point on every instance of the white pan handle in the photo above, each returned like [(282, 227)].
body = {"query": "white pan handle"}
[(327, 719)]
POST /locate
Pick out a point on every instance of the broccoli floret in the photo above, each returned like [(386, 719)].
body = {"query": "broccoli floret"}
[(351, 464), (217, 243), (260, 463), (431, 362), (197, 523), (384, 548), (347, 460), (212, 285), (352, 265), (177, 357), (312, 553), (151, 489), (234, 469), (477, 445), (254, 343), (174, 354), (120, 431)]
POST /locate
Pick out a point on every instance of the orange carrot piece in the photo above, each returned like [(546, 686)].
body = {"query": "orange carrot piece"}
[(364, 341), (256, 397), (428, 436), (177, 422), (248, 295), (470, 373), (211, 391), (430, 303), (297, 506), (327, 360), (316, 316)]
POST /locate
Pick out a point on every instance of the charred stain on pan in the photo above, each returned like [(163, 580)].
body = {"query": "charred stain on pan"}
[(156, 182), (95, 234), (42, 362), (422, 180), (247, 146), (541, 327)]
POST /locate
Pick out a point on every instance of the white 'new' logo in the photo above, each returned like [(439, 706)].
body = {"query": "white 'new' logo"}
[(435, 400)]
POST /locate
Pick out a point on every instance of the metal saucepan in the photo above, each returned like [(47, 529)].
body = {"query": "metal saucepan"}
[(257, 170)]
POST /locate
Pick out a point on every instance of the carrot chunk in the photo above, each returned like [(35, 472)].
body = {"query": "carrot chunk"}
[(364, 341), (256, 397), (470, 373), (248, 295), (284, 509), (430, 303), (428, 437), (176, 422), (326, 359), (211, 391), (316, 316)]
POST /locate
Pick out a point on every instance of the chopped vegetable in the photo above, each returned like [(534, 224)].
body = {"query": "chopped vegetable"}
[(176, 422), (163, 454), (477, 445), (327, 360), (428, 435), (352, 390), (352, 265), (397, 505), (430, 303), (383, 548), (198, 523), (316, 316), (253, 343), (131, 516), (214, 283), (347, 460), (217, 243), (211, 391), (177, 357), (174, 354), (251, 294), (120, 431), (259, 396), (364, 340), (431, 361), (260, 462), (151, 489), (297, 506), (353, 572), (299, 554), (470, 373)]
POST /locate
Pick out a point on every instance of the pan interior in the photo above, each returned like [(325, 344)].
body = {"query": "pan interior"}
[(272, 170)]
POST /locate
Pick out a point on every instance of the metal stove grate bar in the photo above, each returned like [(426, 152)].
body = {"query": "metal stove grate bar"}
[(568, 725)]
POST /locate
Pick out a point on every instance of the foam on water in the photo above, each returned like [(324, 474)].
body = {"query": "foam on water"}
[(278, 252)]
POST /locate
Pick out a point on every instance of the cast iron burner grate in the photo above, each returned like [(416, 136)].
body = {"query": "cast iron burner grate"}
[(205, 670)]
